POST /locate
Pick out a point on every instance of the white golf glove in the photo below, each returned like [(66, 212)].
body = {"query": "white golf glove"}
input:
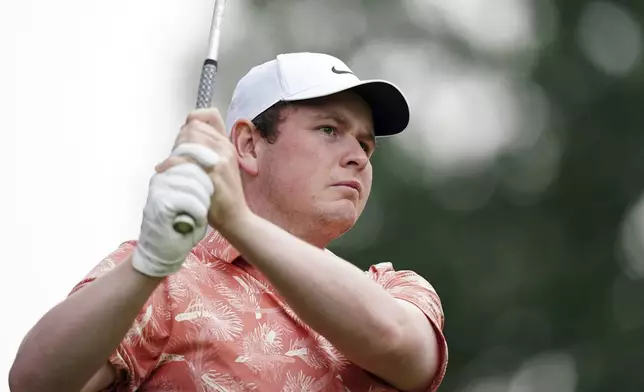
[(184, 188)]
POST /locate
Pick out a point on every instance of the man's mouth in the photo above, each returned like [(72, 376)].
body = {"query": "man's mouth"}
[(350, 184)]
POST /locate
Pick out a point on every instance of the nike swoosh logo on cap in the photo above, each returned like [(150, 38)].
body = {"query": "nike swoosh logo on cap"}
[(340, 72)]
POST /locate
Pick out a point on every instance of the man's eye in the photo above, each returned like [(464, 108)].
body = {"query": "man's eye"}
[(365, 147), (328, 130)]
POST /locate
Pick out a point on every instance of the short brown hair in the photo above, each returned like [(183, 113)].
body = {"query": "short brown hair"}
[(267, 122)]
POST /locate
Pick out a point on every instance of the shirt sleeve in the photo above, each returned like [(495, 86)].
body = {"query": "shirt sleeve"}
[(140, 350), (413, 288)]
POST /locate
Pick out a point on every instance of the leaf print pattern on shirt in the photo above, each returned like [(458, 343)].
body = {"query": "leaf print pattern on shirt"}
[(244, 296), (164, 385), (336, 361), (302, 349), (167, 358), (202, 355), (318, 353), (218, 325), (218, 318), (302, 382), (226, 325), (177, 288), (262, 351), (298, 383), (219, 382), (138, 334)]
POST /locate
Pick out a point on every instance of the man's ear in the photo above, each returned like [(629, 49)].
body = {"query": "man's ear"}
[(244, 138)]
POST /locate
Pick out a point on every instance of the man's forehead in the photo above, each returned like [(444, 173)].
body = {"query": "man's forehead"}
[(342, 117), (340, 113)]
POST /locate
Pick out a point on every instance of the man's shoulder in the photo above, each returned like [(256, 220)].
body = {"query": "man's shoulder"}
[(198, 258), (388, 276), (198, 254)]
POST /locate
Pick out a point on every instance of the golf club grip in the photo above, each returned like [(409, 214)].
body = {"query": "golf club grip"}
[(206, 84), (184, 223)]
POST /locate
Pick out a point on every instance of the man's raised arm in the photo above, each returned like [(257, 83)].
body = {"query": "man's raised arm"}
[(74, 340)]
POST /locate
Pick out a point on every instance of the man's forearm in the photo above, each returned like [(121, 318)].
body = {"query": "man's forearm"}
[(74, 339), (331, 295)]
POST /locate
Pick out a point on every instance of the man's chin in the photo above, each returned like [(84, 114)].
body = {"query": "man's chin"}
[(342, 217)]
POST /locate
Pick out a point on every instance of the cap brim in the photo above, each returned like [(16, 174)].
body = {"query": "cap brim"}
[(389, 106)]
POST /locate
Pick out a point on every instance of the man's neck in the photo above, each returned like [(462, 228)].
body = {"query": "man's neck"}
[(315, 233)]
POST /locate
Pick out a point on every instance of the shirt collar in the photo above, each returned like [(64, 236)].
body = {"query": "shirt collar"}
[(215, 245)]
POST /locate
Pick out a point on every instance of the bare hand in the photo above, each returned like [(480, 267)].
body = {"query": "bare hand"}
[(206, 128)]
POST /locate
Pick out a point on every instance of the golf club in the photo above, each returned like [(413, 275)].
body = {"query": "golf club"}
[(184, 223)]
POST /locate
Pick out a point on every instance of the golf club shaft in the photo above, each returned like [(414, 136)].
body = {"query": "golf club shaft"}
[(184, 223)]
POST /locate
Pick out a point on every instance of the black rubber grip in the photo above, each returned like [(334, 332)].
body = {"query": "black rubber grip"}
[(206, 84)]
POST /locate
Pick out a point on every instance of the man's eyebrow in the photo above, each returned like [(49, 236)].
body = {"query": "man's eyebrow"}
[(331, 116), (342, 120)]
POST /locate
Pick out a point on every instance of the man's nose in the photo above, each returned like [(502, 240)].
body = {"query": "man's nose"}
[(355, 156)]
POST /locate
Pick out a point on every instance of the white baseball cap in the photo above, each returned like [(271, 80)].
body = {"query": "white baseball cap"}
[(300, 76)]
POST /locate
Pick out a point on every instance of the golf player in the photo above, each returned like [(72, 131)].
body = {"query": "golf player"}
[(256, 303)]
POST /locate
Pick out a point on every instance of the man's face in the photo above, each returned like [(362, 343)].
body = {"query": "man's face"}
[(318, 170)]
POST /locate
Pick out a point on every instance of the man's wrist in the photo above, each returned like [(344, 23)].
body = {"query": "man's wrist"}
[(236, 229), (147, 265)]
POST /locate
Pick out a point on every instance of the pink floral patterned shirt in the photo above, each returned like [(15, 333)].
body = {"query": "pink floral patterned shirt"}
[(219, 325)]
